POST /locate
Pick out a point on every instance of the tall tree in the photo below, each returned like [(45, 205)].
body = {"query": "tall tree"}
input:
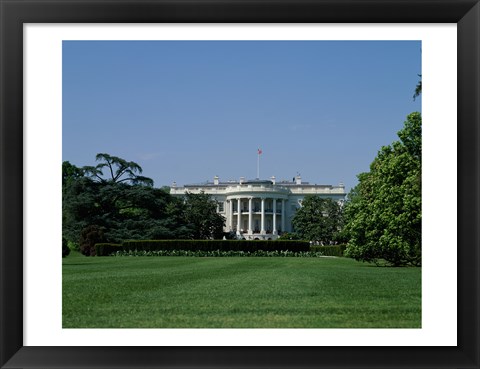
[(118, 171), (383, 214), (200, 213), (123, 204), (318, 220)]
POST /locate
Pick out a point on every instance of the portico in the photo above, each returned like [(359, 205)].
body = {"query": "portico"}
[(259, 216)]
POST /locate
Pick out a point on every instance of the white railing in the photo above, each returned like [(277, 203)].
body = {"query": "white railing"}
[(237, 189), (210, 191), (318, 190)]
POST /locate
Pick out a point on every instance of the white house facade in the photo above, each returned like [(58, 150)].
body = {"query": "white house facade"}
[(260, 209)]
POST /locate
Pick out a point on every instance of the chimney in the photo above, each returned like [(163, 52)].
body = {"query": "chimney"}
[(298, 179), (273, 179), (242, 179), (174, 184), (215, 180)]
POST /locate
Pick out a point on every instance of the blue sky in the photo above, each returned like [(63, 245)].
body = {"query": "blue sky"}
[(189, 110)]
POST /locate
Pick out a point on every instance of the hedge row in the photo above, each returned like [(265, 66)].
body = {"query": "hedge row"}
[(333, 250), (104, 249), (167, 246), (221, 245), (217, 253)]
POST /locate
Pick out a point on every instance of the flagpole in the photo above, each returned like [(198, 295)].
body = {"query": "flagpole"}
[(259, 152), (258, 164)]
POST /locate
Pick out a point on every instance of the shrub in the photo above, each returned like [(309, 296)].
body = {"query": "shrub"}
[(331, 250), (73, 246), (218, 253), (212, 245), (106, 249), (65, 248), (89, 236), (289, 236)]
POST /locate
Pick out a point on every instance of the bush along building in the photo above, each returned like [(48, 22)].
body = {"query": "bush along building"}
[(260, 209)]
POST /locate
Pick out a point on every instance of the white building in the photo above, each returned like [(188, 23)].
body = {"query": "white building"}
[(260, 209)]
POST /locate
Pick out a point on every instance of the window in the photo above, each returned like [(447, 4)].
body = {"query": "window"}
[(221, 206)]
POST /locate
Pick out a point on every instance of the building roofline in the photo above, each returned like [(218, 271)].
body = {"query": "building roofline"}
[(257, 182)]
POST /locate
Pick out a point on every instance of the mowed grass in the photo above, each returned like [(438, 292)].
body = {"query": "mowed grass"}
[(237, 292)]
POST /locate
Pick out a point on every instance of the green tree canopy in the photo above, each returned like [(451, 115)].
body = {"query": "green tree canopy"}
[(383, 213), (125, 206), (123, 211), (318, 220), (201, 216), (70, 172), (118, 171)]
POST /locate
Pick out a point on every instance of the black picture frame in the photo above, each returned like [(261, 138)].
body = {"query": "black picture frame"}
[(15, 13)]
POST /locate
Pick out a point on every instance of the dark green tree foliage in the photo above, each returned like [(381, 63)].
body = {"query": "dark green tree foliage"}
[(134, 211), (70, 173), (124, 211), (125, 206), (117, 170), (65, 248), (318, 220), (383, 214), (175, 221), (289, 236), (79, 207), (201, 217)]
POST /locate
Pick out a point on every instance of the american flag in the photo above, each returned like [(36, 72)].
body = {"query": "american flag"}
[(259, 151)]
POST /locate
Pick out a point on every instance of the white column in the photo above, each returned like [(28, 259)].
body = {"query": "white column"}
[(262, 231), (283, 215), (274, 216), (250, 216), (230, 222), (239, 216)]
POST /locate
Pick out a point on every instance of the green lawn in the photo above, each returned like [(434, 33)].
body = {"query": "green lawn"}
[(194, 292)]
